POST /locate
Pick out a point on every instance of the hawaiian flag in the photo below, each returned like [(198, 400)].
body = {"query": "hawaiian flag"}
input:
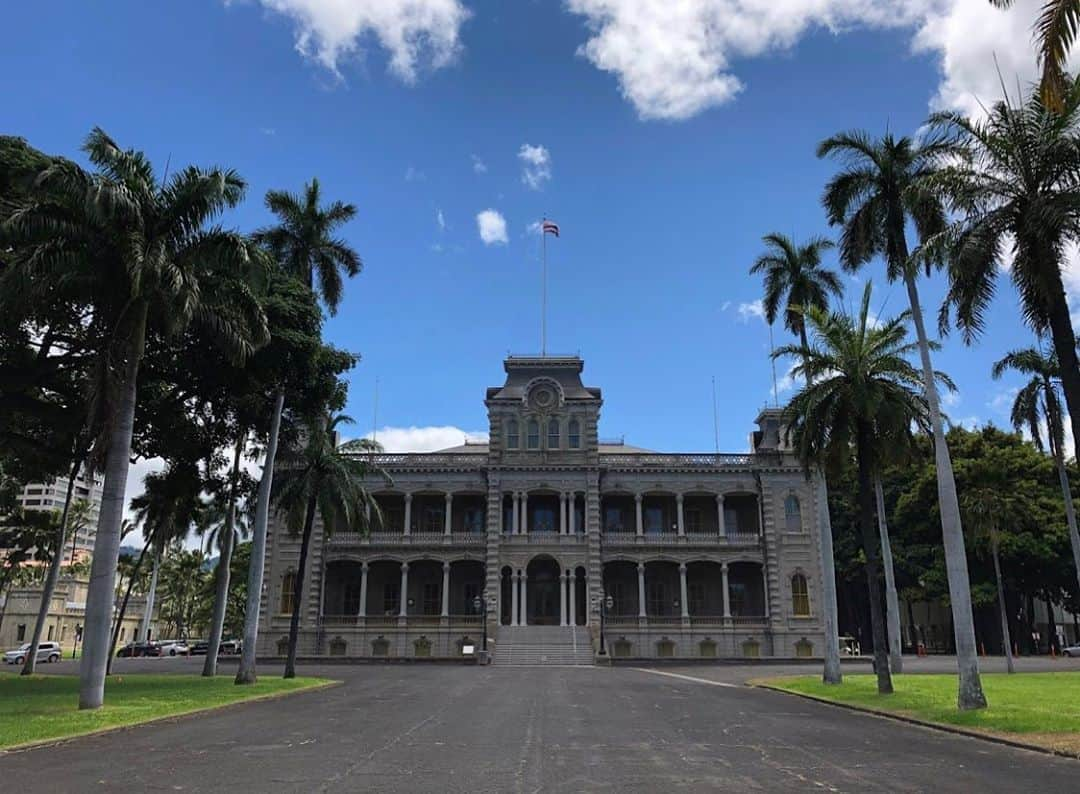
[(549, 227)]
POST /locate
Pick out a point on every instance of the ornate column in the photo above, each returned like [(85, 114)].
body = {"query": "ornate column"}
[(515, 516), (407, 529), (724, 582), (524, 598), (682, 591), (403, 607), (562, 599), (363, 589), (641, 589), (448, 520), (562, 514), (446, 589), (524, 513), (639, 524), (679, 515), (514, 591), (720, 515), (573, 598)]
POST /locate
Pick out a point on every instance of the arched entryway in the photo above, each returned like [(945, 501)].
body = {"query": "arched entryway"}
[(542, 588)]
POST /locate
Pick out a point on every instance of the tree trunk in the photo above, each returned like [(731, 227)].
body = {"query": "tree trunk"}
[(150, 596), (54, 573), (1070, 509), (873, 565), (1006, 638), (970, 693), (1051, 629), (298, 589), (892, 603), (107, 543), (119, 622), (1061, 331), (223, 573), (831, 673), (246, 673)]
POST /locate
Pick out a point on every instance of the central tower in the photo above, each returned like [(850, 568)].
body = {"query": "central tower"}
[(543, 413)]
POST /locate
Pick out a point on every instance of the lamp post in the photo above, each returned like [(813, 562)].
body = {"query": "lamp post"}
[(480, 605), (606, 602)]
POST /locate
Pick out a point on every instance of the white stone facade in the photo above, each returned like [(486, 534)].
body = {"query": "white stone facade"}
[(686, 555)]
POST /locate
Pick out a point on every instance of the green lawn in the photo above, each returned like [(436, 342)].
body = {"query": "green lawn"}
[(1045, 707), (46, 706)]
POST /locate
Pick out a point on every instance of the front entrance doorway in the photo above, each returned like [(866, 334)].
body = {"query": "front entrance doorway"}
[(543, 588)]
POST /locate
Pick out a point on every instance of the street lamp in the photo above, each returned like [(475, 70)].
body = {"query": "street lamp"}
[(606, 603), (480, 605)]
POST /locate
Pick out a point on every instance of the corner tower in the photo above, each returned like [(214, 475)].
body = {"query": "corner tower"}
[(543, 413)]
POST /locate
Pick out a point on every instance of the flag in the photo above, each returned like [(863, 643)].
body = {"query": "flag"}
[(550, 227)]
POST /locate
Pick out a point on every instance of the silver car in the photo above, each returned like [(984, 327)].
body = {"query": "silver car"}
[(173, 647), (47, 652)]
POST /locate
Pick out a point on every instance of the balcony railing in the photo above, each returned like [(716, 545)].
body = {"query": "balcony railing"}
[(412, 539), (674, 539), (428, 460), (392, 621), (655, 460), (718, 621)]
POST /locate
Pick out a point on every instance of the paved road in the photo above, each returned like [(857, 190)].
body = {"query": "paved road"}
[(461, 729)]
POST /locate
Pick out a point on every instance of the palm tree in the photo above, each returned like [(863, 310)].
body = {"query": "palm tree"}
[(1055, 31), (1038, 403), (1018, 190), (303, 244), (860, 389), (795, 272), (170, 502), (141, 255), (880, 188), (987, 504), (329, 480)]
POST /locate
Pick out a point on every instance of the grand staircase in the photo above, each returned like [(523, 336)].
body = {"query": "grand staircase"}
[(543, 645)]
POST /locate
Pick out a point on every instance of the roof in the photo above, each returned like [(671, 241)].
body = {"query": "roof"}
[(605, 449)]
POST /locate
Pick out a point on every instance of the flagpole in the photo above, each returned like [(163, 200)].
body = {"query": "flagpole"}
[(543, 291)]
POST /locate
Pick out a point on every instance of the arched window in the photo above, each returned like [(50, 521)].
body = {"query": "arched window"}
[(288, 584), (573, 434), (512, 434), (792, 513), (534, 434), (800, 596), (553, 434)]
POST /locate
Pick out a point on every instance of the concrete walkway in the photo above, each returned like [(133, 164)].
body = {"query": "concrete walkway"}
[(434, 728)]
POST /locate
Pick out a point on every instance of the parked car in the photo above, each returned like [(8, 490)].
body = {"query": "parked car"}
[(227, 647), (231, 647), (174, 647), (134, 649), (47, 652), (198, 648), (1072, 650)]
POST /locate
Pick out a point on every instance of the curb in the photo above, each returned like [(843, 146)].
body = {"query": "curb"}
[(937, 726), (40, 743)]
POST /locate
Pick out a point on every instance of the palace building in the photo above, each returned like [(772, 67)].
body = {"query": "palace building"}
[(549, 531)]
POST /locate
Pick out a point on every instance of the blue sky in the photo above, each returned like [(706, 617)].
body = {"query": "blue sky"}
[(672, 139)]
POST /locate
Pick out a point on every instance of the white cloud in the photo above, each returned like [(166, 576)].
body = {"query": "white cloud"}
[(425, 439), (949, 399), (752, 309), (535, 165), (676, 58), (415, 33), (440, 220), (492, 227), (478, 165), (268, 131), (789, 380), (414, 175), (725, 306)]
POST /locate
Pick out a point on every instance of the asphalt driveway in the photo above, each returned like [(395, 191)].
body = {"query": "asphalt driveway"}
[(464, 729)]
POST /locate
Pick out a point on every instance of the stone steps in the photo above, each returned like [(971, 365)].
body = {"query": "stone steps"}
[(543, 645)]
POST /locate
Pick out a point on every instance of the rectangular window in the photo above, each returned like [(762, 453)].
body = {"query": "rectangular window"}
[(731, 521), (543, 520), (432, 598), (472, 590), (474, 520), (738, 599), (63, 633), (573, 435), (433, 519), (393, 520), (654, 520), (553, 434), (390, 602), (351, 604), (508, 518), (613, 520), (694, 520), (657, 600), (20, 632), (534, 435), (512, 434), (50, 633), (696, 592)]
